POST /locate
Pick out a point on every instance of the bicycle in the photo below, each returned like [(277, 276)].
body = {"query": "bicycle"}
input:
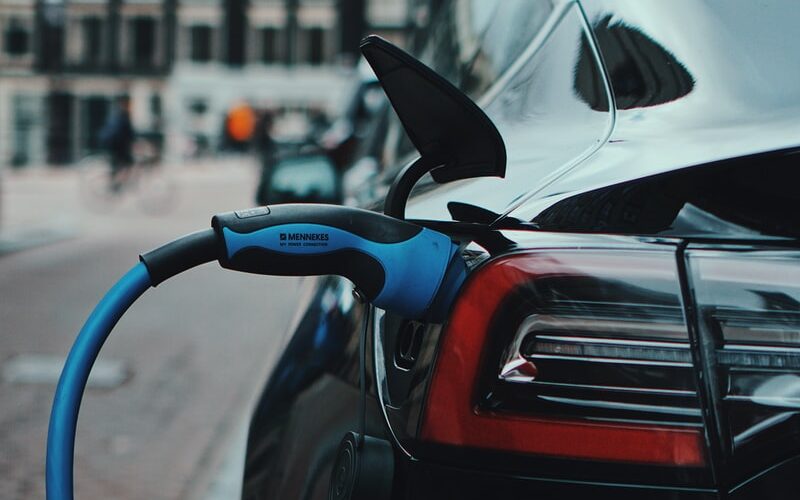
[(146, 181)]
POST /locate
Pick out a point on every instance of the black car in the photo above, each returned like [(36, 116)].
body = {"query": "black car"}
[(630, 327)]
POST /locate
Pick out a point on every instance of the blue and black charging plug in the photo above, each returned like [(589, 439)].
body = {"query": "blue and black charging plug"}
[(396, 265)]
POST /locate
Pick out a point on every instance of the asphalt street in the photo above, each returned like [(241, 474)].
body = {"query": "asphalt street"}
[(193, 352)]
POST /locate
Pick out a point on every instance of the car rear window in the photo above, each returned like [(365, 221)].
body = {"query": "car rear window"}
[(473, 42), (547, 124)]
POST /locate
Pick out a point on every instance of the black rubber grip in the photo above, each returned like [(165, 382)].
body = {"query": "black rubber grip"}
[(179, 255), (368, 225)]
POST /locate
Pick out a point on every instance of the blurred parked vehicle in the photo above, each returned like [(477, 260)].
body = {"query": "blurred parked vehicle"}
[(338, 146), (355, 119), (630, 325), (305, 179)]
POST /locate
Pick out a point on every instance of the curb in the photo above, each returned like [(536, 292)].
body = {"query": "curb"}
[(17, 241)]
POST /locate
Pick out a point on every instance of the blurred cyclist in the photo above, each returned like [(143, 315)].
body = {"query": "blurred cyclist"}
[(117, 137), (267, 149)]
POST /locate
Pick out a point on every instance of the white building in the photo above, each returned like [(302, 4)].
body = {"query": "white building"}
[(63, 62), (183, 62)]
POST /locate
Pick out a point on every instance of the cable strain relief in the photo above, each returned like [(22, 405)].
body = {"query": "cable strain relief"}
[(180, 255)]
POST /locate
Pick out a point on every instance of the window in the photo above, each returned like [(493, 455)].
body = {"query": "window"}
[(197, 106), (545, 122), (17, 39), (92, 39), (269, 45), (235, 30), (59, 118), (315, 46), (155, 105), (200, 43), (144, 42), (95, 112), (474, 54), (27, 127), (52, 57)]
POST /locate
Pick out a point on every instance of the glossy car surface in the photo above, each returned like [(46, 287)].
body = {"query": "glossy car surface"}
[(631, 325)]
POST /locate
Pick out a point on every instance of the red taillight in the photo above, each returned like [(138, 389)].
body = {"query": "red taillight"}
[(456, 413)]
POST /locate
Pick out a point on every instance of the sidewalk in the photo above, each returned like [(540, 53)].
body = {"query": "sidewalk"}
[(39, 206), (195, 351)]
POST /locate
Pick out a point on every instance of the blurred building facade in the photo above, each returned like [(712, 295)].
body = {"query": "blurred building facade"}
[(182, 62)]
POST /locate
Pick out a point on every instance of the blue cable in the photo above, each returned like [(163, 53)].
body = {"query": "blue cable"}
[(67, 401), (373, 240)]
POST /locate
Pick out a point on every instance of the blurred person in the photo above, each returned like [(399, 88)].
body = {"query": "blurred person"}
[(267, 149), (318, 123), (117, 137), (240, 124)]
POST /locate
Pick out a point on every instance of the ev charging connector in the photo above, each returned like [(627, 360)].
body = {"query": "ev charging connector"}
[(398, 266)]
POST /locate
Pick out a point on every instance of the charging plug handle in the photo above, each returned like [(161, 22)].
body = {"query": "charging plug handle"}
[(396, 265)]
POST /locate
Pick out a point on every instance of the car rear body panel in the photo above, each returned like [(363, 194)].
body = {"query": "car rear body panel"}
[(693, 153), (743, 98)]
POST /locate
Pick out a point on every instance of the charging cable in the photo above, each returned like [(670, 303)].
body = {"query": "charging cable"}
[(397, 266)]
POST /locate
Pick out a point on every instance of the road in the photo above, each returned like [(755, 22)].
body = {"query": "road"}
[(195, 349)]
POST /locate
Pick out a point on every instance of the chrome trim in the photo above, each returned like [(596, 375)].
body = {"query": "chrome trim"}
[(637, 390), (382, 385), (762, 348), (770, 401), (619, 327), (762, 426), (614, 405), (514, 367), (518, 368), (620, 342)]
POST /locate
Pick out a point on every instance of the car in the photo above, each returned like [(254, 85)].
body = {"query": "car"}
[(630, 324), (313, 170)]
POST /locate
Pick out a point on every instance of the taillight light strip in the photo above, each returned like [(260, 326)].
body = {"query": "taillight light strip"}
[(616, 361), (452, 417), (759, 357)]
